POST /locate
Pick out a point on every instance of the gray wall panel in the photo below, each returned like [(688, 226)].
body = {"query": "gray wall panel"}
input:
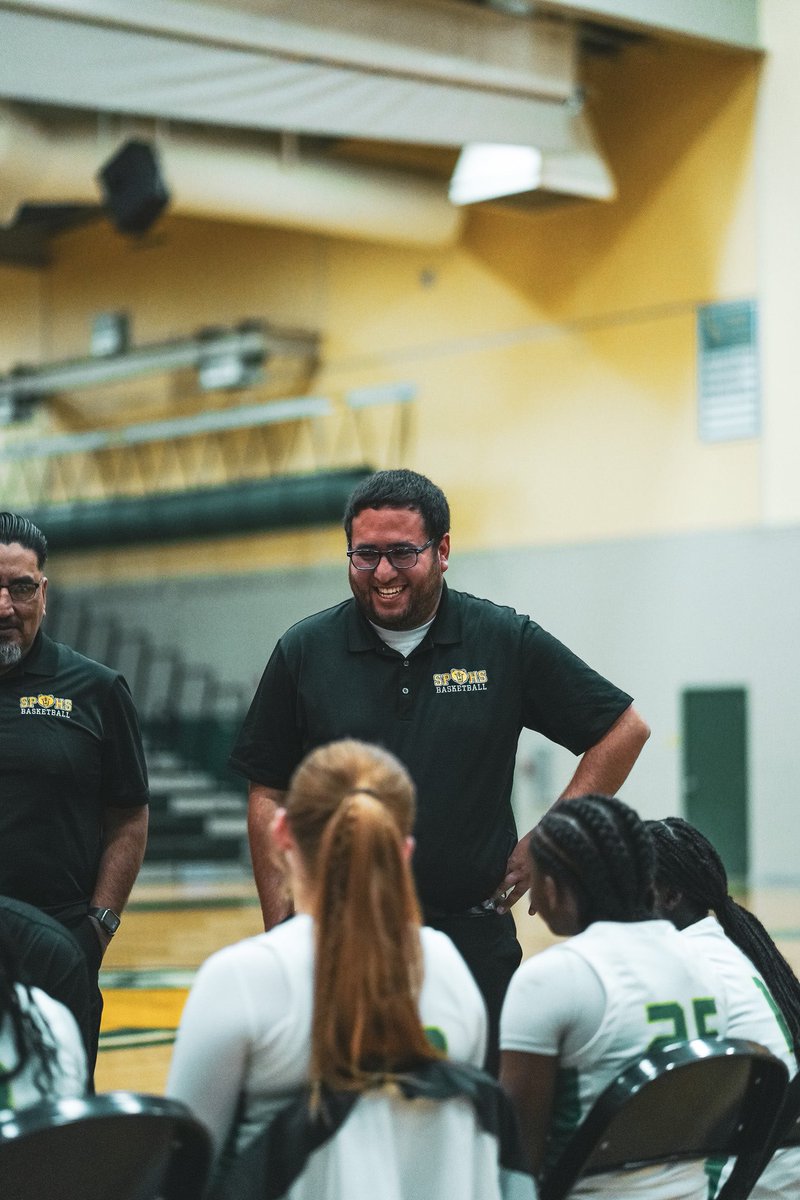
[(655, 615)]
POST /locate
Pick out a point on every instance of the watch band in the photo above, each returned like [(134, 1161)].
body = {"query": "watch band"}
[(107, 918)]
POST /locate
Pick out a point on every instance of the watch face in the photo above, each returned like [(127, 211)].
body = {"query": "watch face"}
[(110, 921), (107, 918)]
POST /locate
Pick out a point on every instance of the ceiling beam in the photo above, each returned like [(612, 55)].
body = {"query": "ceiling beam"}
[(731, 24), (449, 41), (353, 27)]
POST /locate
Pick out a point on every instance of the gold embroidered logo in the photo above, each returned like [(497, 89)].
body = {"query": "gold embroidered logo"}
[(45, 705), (459, 679)]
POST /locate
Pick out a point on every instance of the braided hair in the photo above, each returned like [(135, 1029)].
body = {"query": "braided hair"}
[(687, 862), (29, 1030), (599, 847)]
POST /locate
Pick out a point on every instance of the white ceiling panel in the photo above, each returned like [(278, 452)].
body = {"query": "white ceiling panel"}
[(58, 60)]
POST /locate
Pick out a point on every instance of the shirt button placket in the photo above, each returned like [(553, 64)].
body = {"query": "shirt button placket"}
[(405, 694)]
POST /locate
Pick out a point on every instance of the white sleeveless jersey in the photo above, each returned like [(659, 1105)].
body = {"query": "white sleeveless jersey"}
[(657, 988), (753, 1014)]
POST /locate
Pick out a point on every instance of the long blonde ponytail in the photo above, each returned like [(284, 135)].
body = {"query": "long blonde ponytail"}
[(350, 808)]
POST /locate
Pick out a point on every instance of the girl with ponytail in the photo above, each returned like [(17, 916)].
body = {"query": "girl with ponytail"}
[(762, 991), (347, 991)]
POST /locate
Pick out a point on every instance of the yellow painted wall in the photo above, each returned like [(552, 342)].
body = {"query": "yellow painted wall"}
[(609, 418), (22, 314), (553, 352)]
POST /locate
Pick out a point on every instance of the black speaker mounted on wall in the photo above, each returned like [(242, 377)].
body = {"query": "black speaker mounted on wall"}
[(134, 191)]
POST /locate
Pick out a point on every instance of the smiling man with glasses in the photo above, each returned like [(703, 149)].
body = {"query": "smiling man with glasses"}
[(446, 681), (73, 780)]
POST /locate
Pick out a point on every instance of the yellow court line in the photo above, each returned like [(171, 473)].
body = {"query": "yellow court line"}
[(142, 1008)]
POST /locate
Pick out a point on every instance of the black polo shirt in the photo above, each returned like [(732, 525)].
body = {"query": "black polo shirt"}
[(452, 711), (71, 747)]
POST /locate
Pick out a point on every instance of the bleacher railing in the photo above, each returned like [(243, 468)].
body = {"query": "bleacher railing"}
[(183, 707)]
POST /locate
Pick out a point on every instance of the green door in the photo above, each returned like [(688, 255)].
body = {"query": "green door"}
[(714, 722)]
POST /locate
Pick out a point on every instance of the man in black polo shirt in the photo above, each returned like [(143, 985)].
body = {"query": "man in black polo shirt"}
[(73, 780), (447, 682)]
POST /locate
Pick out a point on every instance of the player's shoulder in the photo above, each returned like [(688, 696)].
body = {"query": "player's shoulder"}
[(710, 940), (443, 965), (436, 943), (548, 972), (289, 941)]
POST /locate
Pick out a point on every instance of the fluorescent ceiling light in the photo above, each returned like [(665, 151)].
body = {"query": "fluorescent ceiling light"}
[(486, 172), (532, 175)]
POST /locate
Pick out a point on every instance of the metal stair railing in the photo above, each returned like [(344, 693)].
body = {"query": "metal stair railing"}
[(183, 707)]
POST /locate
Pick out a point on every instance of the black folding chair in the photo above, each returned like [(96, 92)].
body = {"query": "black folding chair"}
[(787, 1128), (786, 1131), (688, 1101), (113, 1146), (297, 1148)]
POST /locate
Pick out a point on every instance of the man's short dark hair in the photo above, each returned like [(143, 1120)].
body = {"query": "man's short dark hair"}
[(401, 489), (14, 528)]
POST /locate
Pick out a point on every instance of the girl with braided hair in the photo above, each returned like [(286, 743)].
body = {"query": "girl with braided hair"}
[(762, 992), (348, 990), (622, 982), (41, 1052)]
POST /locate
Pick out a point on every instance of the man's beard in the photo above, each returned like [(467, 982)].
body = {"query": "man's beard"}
[(10, 653), (422, 604)]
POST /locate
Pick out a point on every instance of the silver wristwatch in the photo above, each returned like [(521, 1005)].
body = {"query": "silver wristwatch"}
[(106, 918)]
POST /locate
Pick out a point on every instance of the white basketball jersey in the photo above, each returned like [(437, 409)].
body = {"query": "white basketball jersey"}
[(753, 1014), (657, 989)]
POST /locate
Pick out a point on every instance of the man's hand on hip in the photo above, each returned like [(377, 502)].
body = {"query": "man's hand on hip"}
[(517, 879)]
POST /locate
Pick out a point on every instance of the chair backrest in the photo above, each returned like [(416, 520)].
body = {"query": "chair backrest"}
[(443, 1129), (785, 1135), (787, 1129), (113, 1146), (705, 1098)]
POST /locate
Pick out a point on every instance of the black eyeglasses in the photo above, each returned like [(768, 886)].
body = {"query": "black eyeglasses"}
[(21, 590), (401, 557)]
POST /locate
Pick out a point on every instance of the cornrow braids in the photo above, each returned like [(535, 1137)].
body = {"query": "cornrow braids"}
[(30, 1032), (599, 846), (688, 862)]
